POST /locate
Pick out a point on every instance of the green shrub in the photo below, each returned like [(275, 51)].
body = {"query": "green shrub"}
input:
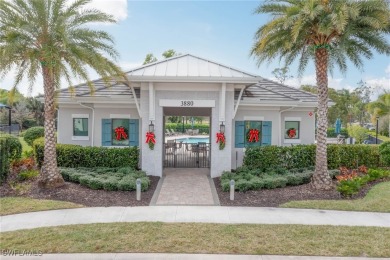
[(107, 178), (4, 159), (74, 156), (384, 150), (349, 187), (331, 132), (33, 133), (27, 175), (14, 146), (271, 158), (243, 185)]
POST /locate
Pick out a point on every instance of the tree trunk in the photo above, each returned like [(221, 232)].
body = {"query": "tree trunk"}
[(50, 176), (321, 179)]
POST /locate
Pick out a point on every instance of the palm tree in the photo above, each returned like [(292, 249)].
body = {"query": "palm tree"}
[(51, 38), (380, 108), (330, 32)]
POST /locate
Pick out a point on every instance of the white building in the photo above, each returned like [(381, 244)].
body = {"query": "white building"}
[(187, 86)]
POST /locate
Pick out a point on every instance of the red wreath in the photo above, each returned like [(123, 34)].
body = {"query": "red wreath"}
[(150, 140), (292, 133), (120, 133), (253, 135), (221, 140)]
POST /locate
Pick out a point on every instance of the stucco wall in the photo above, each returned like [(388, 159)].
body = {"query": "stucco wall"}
[(307, 127), (65, 121)]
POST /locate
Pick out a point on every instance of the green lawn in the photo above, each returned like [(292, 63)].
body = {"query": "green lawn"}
[(382, 137), (15, 205), (377, 200), (203, 238)]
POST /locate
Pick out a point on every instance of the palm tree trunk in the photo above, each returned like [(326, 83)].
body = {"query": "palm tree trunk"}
[(321, 178), (50, 176)]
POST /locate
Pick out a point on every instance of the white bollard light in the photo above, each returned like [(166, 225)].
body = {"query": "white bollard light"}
[(138, 183), (232, 182)]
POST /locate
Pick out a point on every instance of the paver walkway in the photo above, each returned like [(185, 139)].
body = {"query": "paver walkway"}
[(197, 214), (190, 186)]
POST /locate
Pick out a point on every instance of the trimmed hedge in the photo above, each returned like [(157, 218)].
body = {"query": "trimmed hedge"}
[(33, 133), (111, 179), (14, 145), (178, 127), (4, 159), (384, 150), (246, 179), (290, 157), (74, 156)]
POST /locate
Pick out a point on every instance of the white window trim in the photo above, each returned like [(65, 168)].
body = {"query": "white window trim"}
[(80, 138), (292, 119), (253, 118), (80, 115), (120, 116), (292, 141)]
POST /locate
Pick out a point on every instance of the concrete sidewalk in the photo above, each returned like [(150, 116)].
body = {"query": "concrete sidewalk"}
[(196, 214), (158, 256)]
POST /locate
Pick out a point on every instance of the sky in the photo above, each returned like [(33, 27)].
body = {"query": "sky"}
[(221, 31)]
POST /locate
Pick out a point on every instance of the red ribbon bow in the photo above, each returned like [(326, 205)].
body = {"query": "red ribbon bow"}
[(220, 137), (253, 135), (150, 137), (292, 133), (120, 133)]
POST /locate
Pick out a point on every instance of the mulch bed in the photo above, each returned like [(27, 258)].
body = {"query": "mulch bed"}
[(276, 197), (79, 194)]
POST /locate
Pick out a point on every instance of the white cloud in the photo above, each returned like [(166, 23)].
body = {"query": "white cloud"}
[(336, 83), (387, 70), (116, 8)]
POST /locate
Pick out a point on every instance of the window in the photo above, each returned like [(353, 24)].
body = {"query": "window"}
[(120, 132), (291, 129), (252, 125), (80, 126)]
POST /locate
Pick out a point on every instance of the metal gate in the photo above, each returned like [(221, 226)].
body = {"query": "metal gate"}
[(187, 155)]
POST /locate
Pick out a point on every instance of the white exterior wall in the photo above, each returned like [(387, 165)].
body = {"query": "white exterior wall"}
[(152, 161), (102, 111), (307, 126)]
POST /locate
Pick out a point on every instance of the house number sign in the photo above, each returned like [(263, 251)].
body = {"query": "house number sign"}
[(186, 103)]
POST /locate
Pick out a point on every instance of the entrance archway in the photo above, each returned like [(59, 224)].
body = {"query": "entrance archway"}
[(186, 142)]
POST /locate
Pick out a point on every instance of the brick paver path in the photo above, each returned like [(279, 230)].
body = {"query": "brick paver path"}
[(186, 187)]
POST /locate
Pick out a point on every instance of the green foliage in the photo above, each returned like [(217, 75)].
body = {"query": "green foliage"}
[(74, 156), (178, 127), (111, 179), (27, 175), (358, 132), (33, 133), (246, 179), (15, 147), (293, 157), (353, 186), (384, 150), (331, 132), (4, 159)]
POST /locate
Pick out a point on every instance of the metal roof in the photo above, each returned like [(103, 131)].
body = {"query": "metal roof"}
[(190, 67), (268, 90), (100, 89)]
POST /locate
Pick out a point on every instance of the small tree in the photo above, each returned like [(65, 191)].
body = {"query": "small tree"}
[(357, 132)]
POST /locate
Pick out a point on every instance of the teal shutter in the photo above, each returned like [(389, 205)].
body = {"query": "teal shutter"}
[(106, 132), (239, 138), (266, 135), (134, 132)]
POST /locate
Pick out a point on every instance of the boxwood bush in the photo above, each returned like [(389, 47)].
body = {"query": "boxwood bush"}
[(74, 156), (33, 133), (384, 150), (4, 159), (246, 179), (291, 157), (111, 179)]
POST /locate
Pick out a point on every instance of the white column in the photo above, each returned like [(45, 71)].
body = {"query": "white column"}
[(152, 111), (222, 104)]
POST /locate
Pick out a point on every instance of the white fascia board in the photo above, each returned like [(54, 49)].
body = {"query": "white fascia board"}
[(102, 100), (245, 80)]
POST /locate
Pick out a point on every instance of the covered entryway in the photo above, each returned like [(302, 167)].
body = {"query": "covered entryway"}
[(186, 146)]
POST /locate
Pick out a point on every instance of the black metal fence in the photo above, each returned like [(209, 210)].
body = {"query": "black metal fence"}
[(187, 155), (6, 129), (372, 140)]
